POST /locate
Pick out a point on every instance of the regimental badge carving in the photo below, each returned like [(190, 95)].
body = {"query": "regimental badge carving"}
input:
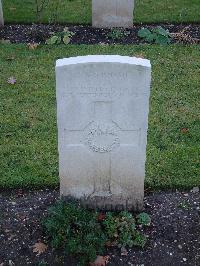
[(102, 137)]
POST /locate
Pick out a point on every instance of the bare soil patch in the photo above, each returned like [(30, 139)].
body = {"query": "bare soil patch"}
[(85, 34), (173, 237)]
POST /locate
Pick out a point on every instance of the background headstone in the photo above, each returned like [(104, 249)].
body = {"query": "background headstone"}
[(102, 114), (112, 13), (1, 15)]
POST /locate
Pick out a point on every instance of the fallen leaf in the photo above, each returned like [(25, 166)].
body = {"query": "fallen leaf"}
[(12, 80), (184, 130), (124, 252), (39, 248), (139, 56), (100, 261), (101, 216), (32, 46), (12, 8)]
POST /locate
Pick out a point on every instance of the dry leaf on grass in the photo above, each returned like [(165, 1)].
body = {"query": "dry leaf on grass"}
[(101, 217), (184, 130), (32, 46), (100, 261), (139, 56), (11, 80), (39, 248)]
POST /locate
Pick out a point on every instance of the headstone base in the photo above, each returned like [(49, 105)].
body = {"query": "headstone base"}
[(109, 203)]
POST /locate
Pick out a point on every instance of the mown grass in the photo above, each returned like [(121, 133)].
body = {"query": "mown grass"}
[(79, 11), (28, 134)]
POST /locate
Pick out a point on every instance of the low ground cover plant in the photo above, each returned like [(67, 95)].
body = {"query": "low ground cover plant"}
[(158, 35), (62, 37), (85, 234), (117, 34)]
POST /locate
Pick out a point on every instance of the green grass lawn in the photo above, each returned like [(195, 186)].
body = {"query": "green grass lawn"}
[(79, 11), (28, 135)]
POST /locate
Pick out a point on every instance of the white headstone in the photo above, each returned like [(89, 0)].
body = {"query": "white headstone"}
[(1, 15), (112, 13), (102, 115)]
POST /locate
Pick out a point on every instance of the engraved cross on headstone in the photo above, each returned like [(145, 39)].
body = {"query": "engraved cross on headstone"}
[(102, 135)]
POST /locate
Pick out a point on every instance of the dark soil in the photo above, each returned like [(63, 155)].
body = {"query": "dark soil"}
[(173, 237), (182, 33)]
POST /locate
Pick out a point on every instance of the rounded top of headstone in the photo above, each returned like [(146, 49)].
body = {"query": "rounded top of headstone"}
[(103, 59)]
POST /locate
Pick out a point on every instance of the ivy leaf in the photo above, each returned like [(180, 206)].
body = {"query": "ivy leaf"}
[(39, 248), (161, 31), (12, 80), (161, 39), (53, 40), (143, 33)]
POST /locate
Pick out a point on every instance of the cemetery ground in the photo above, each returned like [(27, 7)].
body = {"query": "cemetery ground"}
[(85, 34), (29, 153), (29, 181), (173, 237)]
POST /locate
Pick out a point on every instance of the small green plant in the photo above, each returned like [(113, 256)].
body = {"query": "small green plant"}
[(121, 230), (42, 263), (139, 239), (117, 34), (143, 219), (85, 233), (184, 205), (60, 37), (76, 230), (158, 35)]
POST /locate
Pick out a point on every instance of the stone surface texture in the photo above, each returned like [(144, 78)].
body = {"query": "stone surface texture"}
[(102, 115), (1, 15), (112, 13)]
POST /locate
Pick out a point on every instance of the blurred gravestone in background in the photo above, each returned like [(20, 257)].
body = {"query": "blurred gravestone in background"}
[(112, 13), (1, 15)]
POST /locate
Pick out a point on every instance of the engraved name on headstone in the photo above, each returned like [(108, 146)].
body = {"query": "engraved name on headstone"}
[(112, 13), (102, 115)]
